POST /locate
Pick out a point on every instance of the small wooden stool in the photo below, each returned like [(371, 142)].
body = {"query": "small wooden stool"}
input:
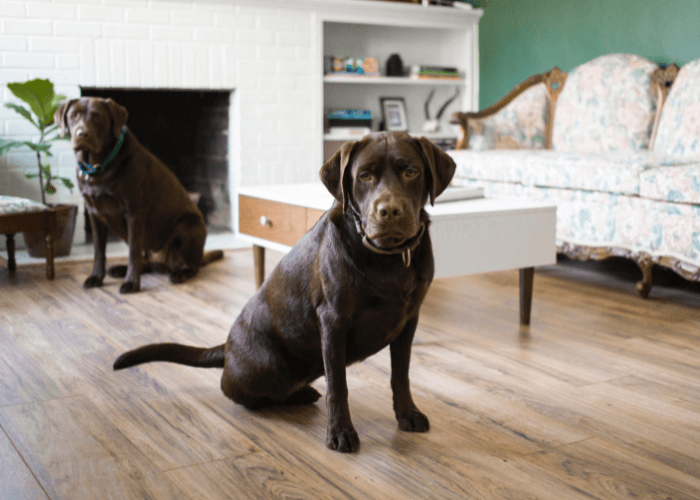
[(20, 215)]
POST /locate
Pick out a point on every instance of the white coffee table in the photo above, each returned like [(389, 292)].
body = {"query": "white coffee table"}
[(471, 236)]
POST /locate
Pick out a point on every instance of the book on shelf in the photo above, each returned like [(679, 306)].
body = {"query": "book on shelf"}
[(458, 193), (350, 118), (342, 132), (435, 73)]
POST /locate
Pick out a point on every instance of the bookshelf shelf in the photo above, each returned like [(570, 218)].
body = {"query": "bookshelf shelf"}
[(389, 80)]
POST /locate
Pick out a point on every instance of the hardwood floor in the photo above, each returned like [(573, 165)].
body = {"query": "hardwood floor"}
[(598, 398)]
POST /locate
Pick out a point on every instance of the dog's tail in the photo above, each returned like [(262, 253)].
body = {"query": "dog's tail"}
[(174, 353), (211, 256)]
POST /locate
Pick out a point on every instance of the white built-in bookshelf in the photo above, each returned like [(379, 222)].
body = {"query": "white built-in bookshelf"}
[(432, 36)]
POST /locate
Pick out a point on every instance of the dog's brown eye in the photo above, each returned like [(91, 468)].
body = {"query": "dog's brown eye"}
[(411, 172), (365, 176)]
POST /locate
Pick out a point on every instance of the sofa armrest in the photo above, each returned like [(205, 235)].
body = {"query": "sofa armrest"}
[(469, 122)]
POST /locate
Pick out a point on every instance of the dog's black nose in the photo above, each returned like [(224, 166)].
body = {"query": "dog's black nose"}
[(80, 132), (388, 211)]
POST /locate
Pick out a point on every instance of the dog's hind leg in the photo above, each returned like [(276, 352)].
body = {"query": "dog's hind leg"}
[(182, 275), (305, 396), (119, 271), (256, 373), (185, 248)]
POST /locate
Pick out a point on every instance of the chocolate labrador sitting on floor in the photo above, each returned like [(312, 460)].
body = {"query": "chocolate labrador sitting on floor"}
[(351, 286), (132, 193)]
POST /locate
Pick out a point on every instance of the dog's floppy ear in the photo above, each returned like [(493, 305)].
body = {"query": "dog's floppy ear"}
[(119, 115), (440, 166), (333, 173), (59, 117)]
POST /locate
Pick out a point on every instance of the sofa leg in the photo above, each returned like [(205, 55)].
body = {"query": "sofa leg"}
[(11, 263), (645, 264)]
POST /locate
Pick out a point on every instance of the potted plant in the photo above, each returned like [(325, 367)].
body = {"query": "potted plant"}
[(43, 103)]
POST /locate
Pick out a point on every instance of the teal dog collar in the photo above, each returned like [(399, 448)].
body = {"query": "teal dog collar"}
[(88, 169)]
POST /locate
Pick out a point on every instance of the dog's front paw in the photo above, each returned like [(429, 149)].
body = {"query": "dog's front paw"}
[(343, 440), (92, 282), (413, 421), (129, 287)]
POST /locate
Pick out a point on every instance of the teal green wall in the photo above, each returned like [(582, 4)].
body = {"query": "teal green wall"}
[(518, 38)]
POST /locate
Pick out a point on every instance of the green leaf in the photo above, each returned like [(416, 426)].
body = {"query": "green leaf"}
[(30, 145), (40, 96), (47, 171), (22, 111), (31, 176), (66, 182), (54, 104), (44, 148), (7, 145)]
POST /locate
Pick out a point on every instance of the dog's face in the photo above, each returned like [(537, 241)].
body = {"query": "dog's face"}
[(91, 122), (387, 178)]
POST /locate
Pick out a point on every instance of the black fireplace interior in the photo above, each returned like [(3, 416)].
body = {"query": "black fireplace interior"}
[(188, 131)]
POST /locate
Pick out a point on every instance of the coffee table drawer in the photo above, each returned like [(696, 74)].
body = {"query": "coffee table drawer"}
[(271, 220)]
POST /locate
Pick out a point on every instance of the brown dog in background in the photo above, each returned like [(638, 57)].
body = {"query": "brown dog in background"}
[(130, 192), (351, 286)]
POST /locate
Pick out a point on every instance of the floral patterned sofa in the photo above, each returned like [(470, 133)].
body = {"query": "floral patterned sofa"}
[(614, 147)]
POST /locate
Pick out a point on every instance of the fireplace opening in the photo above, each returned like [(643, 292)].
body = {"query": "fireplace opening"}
[(188, 131)]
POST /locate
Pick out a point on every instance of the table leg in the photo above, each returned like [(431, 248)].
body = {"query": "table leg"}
[(527, 275), (11, 263), (48, 249), (259, 261)]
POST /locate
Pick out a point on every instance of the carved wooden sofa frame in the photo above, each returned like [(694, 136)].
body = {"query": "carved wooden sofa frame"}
[(554, 81)]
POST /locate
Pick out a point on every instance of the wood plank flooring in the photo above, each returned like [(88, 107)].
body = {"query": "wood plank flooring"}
[(598, 399)]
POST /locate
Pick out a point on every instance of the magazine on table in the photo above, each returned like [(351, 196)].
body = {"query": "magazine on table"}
[(457, 193)]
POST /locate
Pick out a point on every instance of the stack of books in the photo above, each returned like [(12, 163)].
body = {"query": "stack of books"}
[(435, 72), (353, 122)]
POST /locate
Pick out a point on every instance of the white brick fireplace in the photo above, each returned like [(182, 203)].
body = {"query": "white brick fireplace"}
[(263, 52)]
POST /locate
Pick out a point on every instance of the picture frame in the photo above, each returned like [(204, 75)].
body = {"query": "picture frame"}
[(394, 114)]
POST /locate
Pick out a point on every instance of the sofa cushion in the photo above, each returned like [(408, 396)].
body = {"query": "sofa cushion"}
[(520, 124), (606, 105), (677, 184), (14, 205), (493, 165), (679, 127), (608, 171)]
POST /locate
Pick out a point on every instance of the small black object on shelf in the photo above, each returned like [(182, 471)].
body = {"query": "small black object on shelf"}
[(394, 66)]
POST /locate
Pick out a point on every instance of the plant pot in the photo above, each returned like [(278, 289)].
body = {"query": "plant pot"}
[(62, 237)]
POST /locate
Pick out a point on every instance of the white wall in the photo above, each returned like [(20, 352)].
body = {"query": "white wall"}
[(266, 54)]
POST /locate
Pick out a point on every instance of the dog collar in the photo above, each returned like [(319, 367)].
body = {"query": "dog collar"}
[(88, 169), (404, 250)]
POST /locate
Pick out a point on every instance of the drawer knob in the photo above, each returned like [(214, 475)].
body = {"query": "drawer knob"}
[(264, 221)]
